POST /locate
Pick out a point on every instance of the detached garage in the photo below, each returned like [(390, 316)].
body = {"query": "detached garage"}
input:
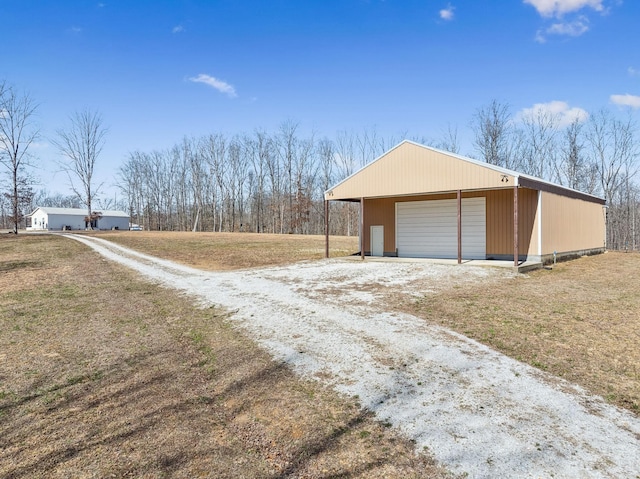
[(420, 202)]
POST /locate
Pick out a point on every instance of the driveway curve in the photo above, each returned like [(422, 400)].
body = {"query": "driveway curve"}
[(478, 412)]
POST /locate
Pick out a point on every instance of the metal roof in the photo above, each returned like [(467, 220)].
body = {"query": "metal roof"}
[(78, 212)]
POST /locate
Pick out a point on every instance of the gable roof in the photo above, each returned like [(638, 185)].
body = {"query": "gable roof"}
[(410, 168), (78, 212)]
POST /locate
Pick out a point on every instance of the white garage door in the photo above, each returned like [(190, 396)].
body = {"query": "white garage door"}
[(429, 229)]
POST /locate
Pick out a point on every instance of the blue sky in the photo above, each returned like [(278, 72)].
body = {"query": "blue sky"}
[(160, 70)]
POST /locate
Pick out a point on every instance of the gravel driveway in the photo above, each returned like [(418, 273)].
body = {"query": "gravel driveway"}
[(477, 411)]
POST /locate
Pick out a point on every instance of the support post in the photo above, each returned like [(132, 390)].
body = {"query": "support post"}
[(515, 227), (459, 226), (362, 228), (326, 228)]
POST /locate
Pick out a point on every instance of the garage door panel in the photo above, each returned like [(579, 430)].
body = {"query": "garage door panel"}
[(429, 229)]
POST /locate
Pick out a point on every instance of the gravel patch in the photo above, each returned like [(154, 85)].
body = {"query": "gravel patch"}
[(478, 412)]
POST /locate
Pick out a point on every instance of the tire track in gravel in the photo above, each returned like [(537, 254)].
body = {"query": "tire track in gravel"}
[(477, 411)]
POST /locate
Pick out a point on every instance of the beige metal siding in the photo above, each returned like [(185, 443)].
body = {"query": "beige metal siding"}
[(414, 169), (570, 224)]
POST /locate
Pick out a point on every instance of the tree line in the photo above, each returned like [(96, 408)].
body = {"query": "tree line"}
[(275, 181), (256, 182)]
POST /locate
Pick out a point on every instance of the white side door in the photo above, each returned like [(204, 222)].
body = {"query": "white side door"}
[(377, 241)]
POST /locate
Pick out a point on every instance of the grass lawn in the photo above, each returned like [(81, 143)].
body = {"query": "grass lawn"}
[(104, 375), (227, 251)]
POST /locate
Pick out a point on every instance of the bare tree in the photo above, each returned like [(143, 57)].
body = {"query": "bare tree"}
[(448, 140), (538, 156), (306, 169), (199, 179), (133, 185), (613, 150), (260, 150), (572, 167), (614, 153), (491, 125), (56, 200), (287, 148), (215, 153), (81, 144), (345, 152), (17, 133)]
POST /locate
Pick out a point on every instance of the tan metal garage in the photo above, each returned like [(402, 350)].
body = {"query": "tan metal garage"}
[(417, 201)]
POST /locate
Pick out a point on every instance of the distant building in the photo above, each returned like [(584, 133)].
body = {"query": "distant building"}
[(45, 218)]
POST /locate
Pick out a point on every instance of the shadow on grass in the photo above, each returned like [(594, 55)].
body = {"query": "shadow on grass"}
[(146, 414), (6, 266)]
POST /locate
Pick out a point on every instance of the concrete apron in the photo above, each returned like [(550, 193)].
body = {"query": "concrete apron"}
[(522, 267)]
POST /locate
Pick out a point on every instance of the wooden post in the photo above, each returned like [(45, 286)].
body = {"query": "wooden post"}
[(361, 228), (459, 226), (515, 227), (326, 228)]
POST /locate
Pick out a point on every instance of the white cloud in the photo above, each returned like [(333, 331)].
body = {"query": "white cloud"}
[(540, 38), (221, 86), (626, 100), (557, 8), (633, 72), (571, 29), (177, 29), (447, 13), (559, 109)]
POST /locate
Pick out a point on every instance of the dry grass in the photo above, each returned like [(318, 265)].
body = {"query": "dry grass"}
[(103, 375), (225, 251), (579, 321)]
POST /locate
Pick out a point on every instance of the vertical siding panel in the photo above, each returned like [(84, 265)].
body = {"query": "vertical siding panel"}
[(380, 211), (570, 224), (500, 222)]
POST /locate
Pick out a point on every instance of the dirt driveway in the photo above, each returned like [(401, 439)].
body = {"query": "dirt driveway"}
[(477, 411)]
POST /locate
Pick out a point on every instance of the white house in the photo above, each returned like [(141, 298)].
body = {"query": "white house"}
[(45, 218)]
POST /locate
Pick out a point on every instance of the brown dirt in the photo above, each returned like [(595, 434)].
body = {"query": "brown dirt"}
[(102, 375)]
